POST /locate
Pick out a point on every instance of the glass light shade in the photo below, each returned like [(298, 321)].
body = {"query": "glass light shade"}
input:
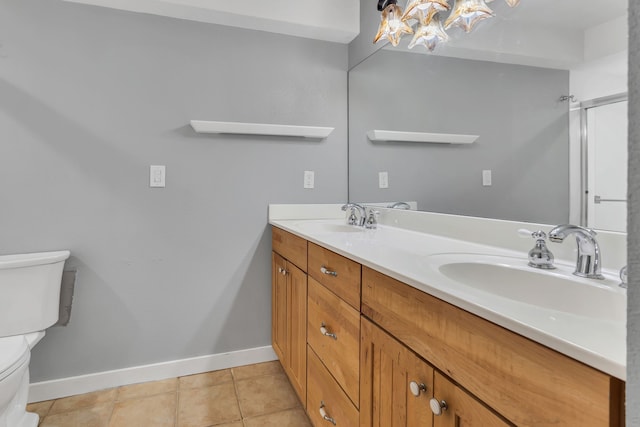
[(467, 13), (392, 27), (424, 10), (430, 35)]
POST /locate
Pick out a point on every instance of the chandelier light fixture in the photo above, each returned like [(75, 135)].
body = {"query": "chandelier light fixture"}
[(427, 16)]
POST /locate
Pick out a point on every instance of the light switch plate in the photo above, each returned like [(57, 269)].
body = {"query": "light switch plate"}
[(309, 179), (157, 176), (383, 179), (486, 178)]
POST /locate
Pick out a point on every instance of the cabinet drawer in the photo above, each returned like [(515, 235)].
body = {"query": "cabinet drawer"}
[(323, 392), (328, 314), (290, 246), (339, 274), (529, 384)]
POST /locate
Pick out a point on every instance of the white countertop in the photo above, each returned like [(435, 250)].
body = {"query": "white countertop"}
[(404, 255)]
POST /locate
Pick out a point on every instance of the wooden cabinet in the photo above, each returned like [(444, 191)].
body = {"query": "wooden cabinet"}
[(289, 316), (460, 408), (388, 370), (398, 389), (279, 311), (367, 350), (527, 383)]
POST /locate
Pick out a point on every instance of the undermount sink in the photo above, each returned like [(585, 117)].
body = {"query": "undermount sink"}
[(557, 290), (328, 226)]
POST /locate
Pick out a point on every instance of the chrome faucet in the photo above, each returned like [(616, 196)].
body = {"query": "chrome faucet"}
[(588, 263), (354, 219)]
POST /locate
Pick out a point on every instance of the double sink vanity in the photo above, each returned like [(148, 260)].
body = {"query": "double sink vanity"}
[(438, 320)]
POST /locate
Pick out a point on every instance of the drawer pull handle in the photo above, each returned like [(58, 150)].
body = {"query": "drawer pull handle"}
[(417, 388), (324, 270), (438, 406), (323, 414), (324, 331)]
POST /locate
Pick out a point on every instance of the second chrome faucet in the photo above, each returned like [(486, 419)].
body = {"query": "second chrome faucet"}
[(589, 261)]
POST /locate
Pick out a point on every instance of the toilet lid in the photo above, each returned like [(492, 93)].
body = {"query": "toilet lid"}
[(14, 351)]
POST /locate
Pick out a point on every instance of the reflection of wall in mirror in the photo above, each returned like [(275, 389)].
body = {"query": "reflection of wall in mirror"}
[(523, 135)]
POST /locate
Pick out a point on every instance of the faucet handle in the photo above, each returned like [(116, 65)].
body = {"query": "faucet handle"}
[(523, 232), (540, 256), (372, 219), (623, 277)]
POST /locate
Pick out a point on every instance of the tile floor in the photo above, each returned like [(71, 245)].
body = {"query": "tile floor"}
[(248, 396)]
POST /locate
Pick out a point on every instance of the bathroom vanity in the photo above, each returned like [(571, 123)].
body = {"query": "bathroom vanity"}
[(368, 338)]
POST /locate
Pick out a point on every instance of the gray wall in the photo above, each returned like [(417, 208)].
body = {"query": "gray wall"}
[(362, 46), (633, 313), (89, 98), (528, 156)]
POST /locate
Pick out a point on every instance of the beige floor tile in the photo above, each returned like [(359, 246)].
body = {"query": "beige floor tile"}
[(200, 407), (257, 370), (40, 408), (207, 379), (80, 401), (94, 416), (156, 411), (266, 394), (289, 418), (147, 389)]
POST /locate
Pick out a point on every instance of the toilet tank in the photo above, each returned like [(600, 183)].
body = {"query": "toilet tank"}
[(30, 291)]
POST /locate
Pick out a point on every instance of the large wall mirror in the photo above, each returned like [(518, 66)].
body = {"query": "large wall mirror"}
[(521, 87)]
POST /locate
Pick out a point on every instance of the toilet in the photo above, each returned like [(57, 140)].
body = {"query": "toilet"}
[(29, 304)]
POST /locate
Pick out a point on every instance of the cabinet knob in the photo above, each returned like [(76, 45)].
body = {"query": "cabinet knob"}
[(438, 406), (325, 270), (282, 271), (324, 331), (417, 388), (324, 415)]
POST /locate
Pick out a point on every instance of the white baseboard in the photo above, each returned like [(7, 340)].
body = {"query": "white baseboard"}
[(54, 389)]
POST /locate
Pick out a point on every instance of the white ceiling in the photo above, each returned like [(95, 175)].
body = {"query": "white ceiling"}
[(330, 20), (548, 33)]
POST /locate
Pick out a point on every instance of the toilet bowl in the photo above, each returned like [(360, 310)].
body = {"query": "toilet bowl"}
[(14, 383), (29, 299)]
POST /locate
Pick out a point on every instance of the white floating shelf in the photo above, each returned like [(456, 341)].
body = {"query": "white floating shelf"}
[(436, 138), (203, 126)]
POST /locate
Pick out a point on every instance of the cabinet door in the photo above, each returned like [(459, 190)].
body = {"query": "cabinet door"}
[(279, 307), (461, 409), (297, 329), (387, 370)]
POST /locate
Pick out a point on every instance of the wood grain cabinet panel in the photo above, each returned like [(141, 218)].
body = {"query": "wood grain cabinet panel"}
[(279, 307), (290, 246), (462, 410), (324, 392), (339, 348), (527, 383), (387, 370), (289, 320), (339, 274)]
